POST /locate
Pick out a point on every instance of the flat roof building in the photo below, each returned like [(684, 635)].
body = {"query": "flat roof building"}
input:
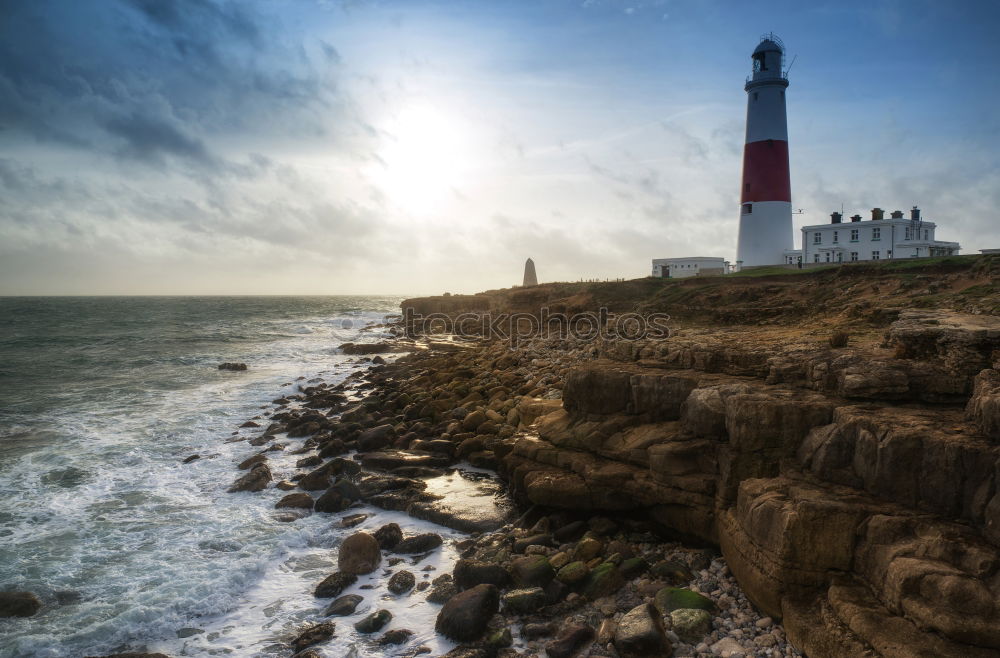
[(678, 268)]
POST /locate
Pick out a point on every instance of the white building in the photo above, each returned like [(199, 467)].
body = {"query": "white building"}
[(678, 268), (876, 239)]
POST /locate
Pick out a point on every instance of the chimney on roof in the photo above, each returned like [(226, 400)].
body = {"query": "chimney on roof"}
[(835, 218), (855, 218), (877, 213), (897, 214), (915, 214)]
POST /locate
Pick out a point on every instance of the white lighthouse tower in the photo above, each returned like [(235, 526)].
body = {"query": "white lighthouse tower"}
[(766, 194)]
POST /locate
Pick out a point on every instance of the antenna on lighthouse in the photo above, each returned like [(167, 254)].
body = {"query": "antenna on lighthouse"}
[(791, 65)]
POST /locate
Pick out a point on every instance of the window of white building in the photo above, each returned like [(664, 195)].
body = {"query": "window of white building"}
[(876, 234), (875, 255), (817, 238), (854, 235), (854, 256), (835, 238)]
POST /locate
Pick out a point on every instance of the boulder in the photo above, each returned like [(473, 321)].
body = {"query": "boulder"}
[(299, 500), (343, 606), (669, 599), (524, 601), (419, 543), (396, 635), (332, 501), (402, 582), (232, 366), (373, 622), (641, 633), (570, 641), (314, 635), (472, 422), (603, 580), (465, 616), (691, 625), (469, 573), (359, 554), (365, 348), (256, 480), (532, 571), (376, 438), (573, 573), (388, 536), (19, 604), (334, 584)]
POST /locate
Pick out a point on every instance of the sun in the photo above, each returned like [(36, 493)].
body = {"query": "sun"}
[(421, 160)]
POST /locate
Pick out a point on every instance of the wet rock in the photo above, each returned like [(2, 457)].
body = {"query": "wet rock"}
[(534, 540), (570, 531), (402, 582), (190, 458), (376, 438), (343, 606), (19, 604), (388, 536), (587, 549), (352, 520), (464, 519), (465, 616), (641, 633), (314, 635), (334, 584), (232, 366), (296, 500), (473, 421), (603, 580), (443, 591), (256, 480), (500, 639), (570, 641), (669, 599), (535, 630), (469, 573), (396, 635), (373, 622), (365, 348), (633, 567), (532, 571), (332, 501), (359, 554), (672, 572), (691, 625), (132, 654), (573, 573), (419, 543), (524, 601)]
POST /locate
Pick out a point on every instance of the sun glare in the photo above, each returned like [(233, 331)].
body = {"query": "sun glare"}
[(421, 160)]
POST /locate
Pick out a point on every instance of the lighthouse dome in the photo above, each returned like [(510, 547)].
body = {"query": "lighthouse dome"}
[(769, 45)]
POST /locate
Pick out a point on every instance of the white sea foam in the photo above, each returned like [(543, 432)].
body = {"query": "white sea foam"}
[(131, 549)]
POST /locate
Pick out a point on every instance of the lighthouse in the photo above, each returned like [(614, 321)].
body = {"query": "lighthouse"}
[(765, 193)]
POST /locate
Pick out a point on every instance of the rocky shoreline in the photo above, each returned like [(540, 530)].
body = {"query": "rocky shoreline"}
[(550, 582)]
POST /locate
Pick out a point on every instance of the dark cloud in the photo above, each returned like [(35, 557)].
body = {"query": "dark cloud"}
[(148, 138)]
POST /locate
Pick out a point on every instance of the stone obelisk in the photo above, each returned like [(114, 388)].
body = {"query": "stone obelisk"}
[(530, 279)]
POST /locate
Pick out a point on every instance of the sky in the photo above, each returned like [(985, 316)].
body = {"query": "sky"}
[(419, 147)]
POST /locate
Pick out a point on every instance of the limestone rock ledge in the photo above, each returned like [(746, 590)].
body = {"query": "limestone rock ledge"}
[(853, 492)]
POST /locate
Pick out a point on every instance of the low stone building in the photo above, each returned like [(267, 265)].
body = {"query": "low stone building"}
[(678, 268)]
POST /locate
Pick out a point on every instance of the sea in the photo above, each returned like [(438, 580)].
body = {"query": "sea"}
[(129, 548)]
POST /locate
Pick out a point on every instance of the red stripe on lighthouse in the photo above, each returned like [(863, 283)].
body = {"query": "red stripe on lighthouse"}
[(765, 171)]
